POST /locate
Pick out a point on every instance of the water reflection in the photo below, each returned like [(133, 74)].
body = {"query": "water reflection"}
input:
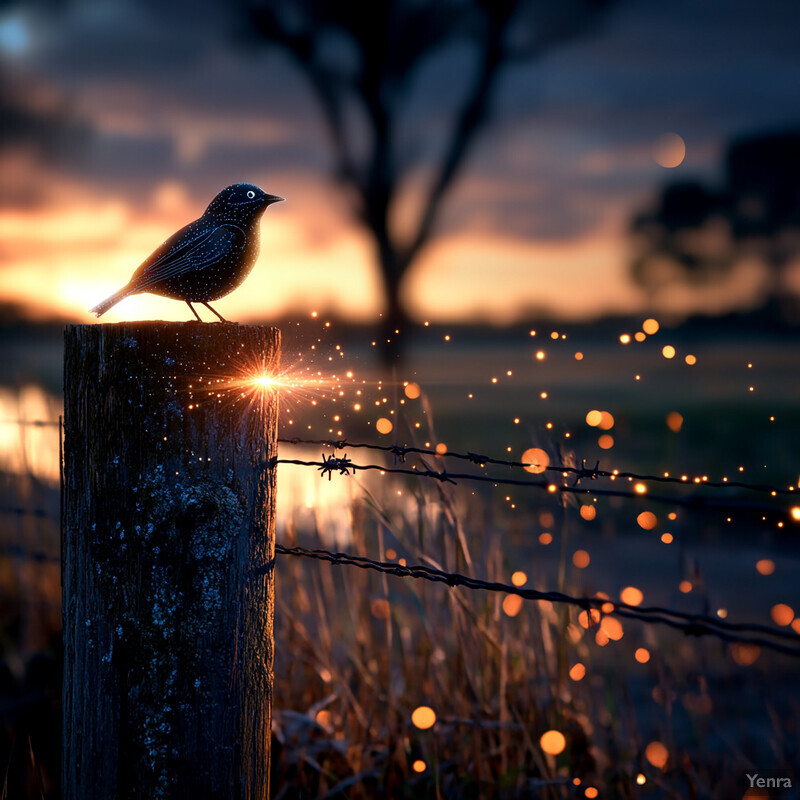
[(29, 447), (29, 432)]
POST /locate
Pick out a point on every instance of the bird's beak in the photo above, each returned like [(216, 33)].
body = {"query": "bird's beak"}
[(272, 198)]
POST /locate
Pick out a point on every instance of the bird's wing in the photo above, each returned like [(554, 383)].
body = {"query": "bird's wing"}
[(191, 248)]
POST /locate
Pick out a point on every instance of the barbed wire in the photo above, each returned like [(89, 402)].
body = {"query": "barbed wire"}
[(690, 624), (345, 466), (580, 473)]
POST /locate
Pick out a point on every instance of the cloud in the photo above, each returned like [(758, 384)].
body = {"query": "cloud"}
[(165, 94)]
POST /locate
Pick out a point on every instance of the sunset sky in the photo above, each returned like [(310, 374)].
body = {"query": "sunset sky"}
[(160, 105)]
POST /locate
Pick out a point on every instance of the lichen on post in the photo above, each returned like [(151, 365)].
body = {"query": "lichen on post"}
[(168, 524)]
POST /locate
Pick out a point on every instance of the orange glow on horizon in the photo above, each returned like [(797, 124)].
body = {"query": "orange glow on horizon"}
[(63, 258)]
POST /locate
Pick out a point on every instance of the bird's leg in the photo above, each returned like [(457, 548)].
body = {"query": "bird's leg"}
[(193, 311), (221, 318)]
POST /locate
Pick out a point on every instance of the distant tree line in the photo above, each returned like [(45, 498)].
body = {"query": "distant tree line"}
[(698, 233)]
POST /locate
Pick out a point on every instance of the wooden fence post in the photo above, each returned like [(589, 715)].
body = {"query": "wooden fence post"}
[(168, 523)]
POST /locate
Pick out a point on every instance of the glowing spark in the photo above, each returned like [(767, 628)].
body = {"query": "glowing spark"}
[(657, 754), (581, 559), (650, 326), (647, 520), (512, 605), (606, 421), (553, 742), (674, 421), (632, 596), (536, 460), (594, 418), (782, 614), (265, 382), (423, 717), (577, 672), (412, 391), (765, 566), (519, 578)]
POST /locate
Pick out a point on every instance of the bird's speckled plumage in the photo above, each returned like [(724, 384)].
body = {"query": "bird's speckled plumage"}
[(208, 258)]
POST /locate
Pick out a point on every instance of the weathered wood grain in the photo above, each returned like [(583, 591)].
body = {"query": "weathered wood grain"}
[(169, 503)]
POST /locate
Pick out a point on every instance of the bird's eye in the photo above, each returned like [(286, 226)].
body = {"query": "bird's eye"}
[(251, 194)]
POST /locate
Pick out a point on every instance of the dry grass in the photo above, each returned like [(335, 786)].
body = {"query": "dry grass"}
[(357, 652)]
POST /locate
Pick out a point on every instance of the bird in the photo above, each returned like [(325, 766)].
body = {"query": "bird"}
[(207, 258)]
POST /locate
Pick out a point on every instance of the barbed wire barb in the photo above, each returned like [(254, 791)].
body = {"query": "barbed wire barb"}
[(694, 501), (401, 451)]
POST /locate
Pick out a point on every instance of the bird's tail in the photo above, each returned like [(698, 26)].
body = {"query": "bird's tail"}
[(101, 308)]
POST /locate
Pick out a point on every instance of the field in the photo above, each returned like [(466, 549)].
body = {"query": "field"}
[(649, 713)]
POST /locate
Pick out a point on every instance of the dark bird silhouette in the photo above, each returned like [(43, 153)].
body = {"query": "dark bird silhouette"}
[(209, 257)]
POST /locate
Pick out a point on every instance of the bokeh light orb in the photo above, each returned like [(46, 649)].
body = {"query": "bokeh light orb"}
[(669, 150), (423, 717), (553, 742), (536, 459)]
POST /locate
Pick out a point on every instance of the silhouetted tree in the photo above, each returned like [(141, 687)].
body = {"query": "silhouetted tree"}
[(363, 60), (697, 234)]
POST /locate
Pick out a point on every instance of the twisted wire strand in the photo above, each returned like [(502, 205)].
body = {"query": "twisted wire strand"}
[(689, 624)]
